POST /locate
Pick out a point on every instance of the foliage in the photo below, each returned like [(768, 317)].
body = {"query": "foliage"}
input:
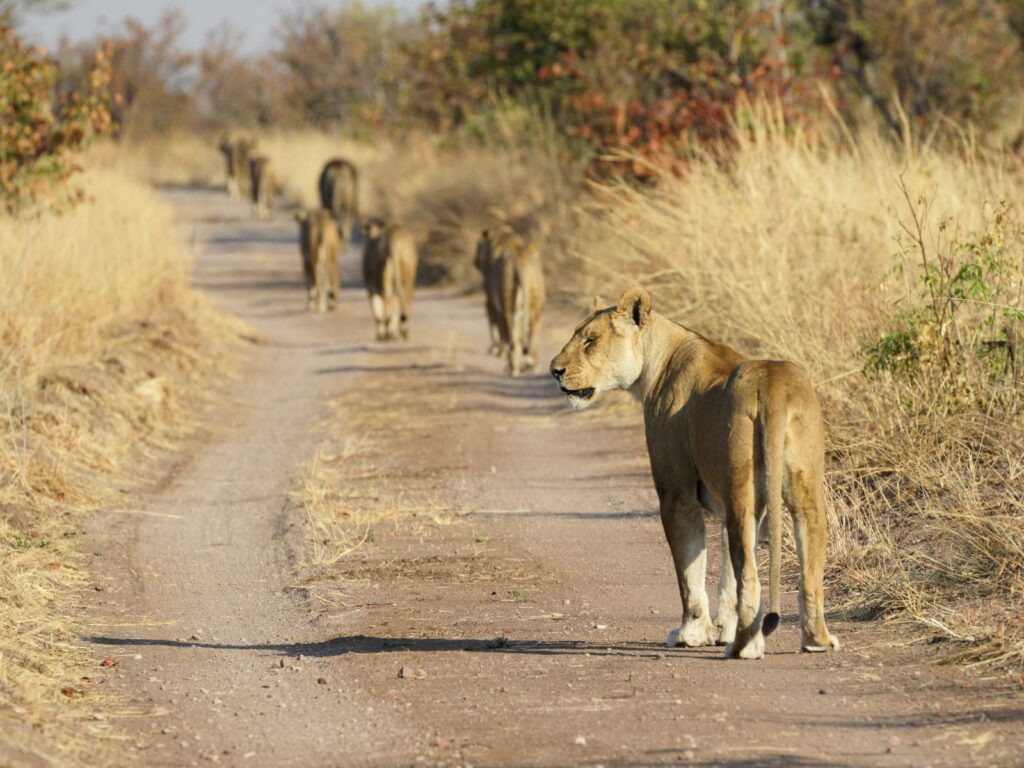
[(336, 66), (921, 62), (960, 330), (40, 125), (630, 78)]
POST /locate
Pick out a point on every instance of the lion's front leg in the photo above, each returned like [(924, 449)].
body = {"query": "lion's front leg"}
[(684, 528)]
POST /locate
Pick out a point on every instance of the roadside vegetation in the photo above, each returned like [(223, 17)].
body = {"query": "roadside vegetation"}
[(104, 350), (790, 177)]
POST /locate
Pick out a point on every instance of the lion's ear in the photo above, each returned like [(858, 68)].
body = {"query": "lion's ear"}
[(598, 304), (636, 304)]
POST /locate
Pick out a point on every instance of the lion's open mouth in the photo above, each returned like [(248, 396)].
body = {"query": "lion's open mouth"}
[(583, 394)]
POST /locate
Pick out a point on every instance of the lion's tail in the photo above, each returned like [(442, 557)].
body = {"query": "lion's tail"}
[(773, 434)]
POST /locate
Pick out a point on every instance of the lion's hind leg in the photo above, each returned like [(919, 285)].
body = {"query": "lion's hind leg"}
[(741, 523), (808, 507), (726, 619)]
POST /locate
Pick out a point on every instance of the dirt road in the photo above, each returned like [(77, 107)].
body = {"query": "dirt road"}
[(529, 625)]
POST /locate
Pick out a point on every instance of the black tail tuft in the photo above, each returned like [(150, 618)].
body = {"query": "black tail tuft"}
[(770, 623)]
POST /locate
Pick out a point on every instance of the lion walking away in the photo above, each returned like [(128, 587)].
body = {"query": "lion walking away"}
[(724, 434), (389, 270), (319, 244), (513, 296), (263, 184), (237, 149), (339, 193)]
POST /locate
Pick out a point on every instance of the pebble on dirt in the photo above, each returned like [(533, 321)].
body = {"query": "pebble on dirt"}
[(412, 673)]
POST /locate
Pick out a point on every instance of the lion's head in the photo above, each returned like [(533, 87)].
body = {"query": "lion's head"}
[(605, 351), (373, 228)]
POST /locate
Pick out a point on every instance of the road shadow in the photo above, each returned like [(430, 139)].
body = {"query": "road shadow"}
[(367, 644), (674, 756)]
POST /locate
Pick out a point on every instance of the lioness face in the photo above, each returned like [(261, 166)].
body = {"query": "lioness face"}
[(605, 351)]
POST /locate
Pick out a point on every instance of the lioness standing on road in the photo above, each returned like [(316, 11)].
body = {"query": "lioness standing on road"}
[(514, 296), (318, 243), (389, 270), (263, 183), (237, 148), (339, 193), (723, 433)]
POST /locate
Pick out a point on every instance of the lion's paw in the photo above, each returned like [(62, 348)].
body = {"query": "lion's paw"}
[(752, 650), (833, 644), (693, 634), (726, 630)]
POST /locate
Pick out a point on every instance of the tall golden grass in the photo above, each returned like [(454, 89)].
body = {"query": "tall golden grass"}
[(784, 245), (102, 343)]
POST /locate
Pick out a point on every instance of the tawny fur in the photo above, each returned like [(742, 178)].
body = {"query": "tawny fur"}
[(237, 148), (263, 185), (339, 193), (319, 244), (724, 434), (389, 270), (514, 296)]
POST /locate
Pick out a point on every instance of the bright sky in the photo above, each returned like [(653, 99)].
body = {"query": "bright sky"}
[(255, 18)]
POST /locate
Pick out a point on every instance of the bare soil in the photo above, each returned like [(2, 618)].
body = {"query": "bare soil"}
[(517, 619)]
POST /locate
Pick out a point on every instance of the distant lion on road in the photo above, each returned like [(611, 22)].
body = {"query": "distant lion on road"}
[(263, 183), (237, 148), (515, 292), (318, 242), (339, 193), (389, 269)]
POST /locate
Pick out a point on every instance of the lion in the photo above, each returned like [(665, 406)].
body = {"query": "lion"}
[(263, 183), (319, 243), (339, 193), (389, 270), (514, 296), (724, 433), (237, 148)]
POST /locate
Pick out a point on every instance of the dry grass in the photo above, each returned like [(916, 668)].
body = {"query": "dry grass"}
[(298, 157), (348, 494), (101, 345), (446, 196), (784, 246), (183, 160)]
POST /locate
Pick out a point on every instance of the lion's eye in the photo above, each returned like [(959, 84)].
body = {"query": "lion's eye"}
[(587, 343)]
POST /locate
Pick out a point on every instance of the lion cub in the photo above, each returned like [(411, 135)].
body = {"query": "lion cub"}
[(318, 243), (723, 433), (389, 270), (514, 296), (263, 184)]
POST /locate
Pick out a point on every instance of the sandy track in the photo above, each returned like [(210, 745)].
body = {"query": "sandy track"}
[(537, 618)]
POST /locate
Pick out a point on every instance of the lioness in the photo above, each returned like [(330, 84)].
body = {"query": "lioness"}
[(389, 270), (318, 243), (339, 193), (263, 183), (514, 288), (237, 149), (725, 433)]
